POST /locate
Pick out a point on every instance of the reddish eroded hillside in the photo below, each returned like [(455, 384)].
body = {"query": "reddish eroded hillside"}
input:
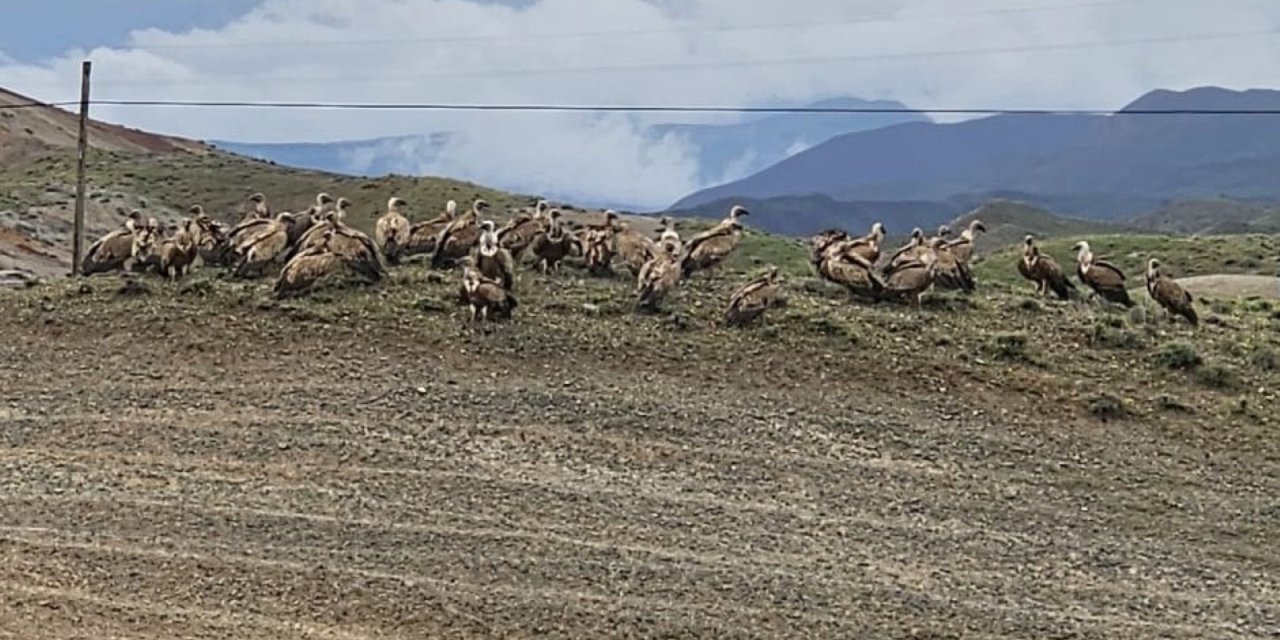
[(26, 131)]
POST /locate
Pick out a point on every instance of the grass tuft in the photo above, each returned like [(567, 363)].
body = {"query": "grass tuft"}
[(1178, 354)]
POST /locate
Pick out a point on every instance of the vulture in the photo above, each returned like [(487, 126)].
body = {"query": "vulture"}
[(909, 279), (866, 247), (1106, 280), (910, 251), (552, 245), (669, 234), (113, 250), (1043, 270), (423, 235), (485, 296), (172, 256), (852, 272), (516, 235), (491, 259), (258, 209), (1029, 251), (753, 299), (1169, 294), (962, 247), (264, 246), (458, 237), (633, 248), (307, 267), (709, 248), (819, 243), (948, 271), (658, 277), (210, 237), (598, 248), (392, 230)]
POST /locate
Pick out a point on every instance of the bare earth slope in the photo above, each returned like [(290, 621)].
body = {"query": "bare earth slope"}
[(202, 462)]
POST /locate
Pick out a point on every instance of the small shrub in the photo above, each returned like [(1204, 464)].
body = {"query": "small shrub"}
[(1104, 334), (1139, 315), (1265, 359), (1009, 346), (1178, 354), (1105, 406), (1217, 376), (1220, 307), (1030, 305), (1259, 305)]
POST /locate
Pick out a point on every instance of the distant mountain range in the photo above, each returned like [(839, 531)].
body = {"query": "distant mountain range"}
[(724, 151), (1104, 167)]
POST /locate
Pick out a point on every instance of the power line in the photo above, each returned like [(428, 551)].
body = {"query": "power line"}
[(424, 106), (519, 37), (715, 64)]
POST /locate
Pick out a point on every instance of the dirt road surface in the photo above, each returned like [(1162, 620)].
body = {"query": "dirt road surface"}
[(201, 478)]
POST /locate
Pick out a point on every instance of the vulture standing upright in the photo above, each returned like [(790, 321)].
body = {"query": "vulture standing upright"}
[(1169, 294), (552, 244), (265, 246), (658, 277), (948, 271), (962, 247), (753, 299), (492, 259), (484, 295), (1106, 280), (1044, 271), (392, 230)]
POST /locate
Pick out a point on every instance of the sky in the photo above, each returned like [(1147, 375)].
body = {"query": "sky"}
[(925, 53)]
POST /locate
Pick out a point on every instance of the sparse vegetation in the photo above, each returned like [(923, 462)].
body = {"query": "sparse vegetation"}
[(1009, 346), (1217, 376), (1105, 406), (1265, 359), (1178, 354)]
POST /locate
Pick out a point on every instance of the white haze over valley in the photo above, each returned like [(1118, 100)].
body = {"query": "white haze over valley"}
[(641, 52)]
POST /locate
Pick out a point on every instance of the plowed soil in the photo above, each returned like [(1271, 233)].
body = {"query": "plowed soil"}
[(201, 475)]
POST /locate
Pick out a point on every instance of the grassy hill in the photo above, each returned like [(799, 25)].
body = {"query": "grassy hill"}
[(1008, 222), (1179, 256), (1210, 216)]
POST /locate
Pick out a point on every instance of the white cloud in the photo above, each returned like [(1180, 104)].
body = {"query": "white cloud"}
[(661, 52)]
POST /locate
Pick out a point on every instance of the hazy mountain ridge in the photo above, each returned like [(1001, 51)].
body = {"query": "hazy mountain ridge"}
[(1106, 167)]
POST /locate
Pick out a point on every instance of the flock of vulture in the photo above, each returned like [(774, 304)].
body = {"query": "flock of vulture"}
[(318, 243)]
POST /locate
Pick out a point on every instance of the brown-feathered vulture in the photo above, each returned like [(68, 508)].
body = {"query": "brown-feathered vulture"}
[(458, 237), (392, 230), (948, 271), (910, 279), (423, 235), (752, 299), (516, 235), (910, 251), (258, 208), (598, 249), (485, 296), (855, 274), (658, 277), (1169, 294), (709, 248), (633, 248), (1044, 271), (307, 267), (265, 246), (866, 247), (114, 249), (1106, 280), (962, 247), (552, 245), (492, 260)]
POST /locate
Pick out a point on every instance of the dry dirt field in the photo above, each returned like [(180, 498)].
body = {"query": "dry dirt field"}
[(202, 463)]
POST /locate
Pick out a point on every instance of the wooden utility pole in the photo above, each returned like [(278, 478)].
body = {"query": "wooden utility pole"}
[(82, 147)]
